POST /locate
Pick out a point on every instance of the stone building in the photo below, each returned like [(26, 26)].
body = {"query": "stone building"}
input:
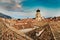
[(38, 15)]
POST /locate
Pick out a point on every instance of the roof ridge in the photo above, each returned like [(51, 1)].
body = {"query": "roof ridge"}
[(17, 31)]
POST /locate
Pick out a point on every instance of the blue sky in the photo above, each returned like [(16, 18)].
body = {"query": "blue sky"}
[(43, 3), (49, 8)]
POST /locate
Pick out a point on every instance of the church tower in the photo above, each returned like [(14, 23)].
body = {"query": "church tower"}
[(38, 15)]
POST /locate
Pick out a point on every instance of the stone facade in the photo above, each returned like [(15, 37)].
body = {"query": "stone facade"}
[(38, 15)]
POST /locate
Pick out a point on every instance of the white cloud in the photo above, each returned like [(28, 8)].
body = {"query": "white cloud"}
[(6, 1), (30, 12), (46, 12), (10, 4)]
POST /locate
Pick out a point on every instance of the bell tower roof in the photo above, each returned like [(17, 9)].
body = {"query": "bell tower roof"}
[(37, 10)]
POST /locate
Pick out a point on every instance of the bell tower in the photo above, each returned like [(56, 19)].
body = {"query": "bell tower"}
[(38, 15)]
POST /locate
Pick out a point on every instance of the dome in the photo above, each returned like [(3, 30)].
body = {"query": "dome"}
[(38, 10)]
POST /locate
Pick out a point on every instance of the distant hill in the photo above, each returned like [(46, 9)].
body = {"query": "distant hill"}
[(5, 16)]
